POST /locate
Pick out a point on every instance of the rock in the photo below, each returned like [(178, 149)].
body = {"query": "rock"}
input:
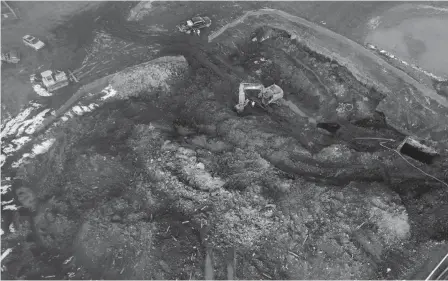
[(200, 166)]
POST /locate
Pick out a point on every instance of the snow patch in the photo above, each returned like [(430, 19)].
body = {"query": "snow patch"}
[(18, 142), (24, 125), (12, 126), (2, 160), (43, 147), (85, 108), (10, 207), (415, 67), (77, 110), (7, 202), (6, 253), (5, 189), (434, 8), (41, 91), (92, 106), (68, 260), (109, 91), (37, 121), (37, 149)]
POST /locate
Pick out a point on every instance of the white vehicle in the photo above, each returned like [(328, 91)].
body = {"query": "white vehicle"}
[(194, 25), (33, 42), (54, 80), (11, 57)]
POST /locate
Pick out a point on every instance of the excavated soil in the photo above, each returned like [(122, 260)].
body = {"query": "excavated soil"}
[(146, 186)]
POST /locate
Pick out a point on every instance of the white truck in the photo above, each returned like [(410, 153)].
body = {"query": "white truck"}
[(50, 80), (10, 57)]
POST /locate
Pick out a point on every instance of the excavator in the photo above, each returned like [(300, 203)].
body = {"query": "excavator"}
[(268, 95)]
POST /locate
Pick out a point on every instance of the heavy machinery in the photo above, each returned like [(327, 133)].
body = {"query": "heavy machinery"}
[(194, 25), (269, 95), (50, 80)]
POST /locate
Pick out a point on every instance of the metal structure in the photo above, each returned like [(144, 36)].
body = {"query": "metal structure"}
[(440, 272), (271, 94), (53, 80)]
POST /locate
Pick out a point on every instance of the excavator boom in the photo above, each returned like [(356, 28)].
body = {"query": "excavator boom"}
[(272, 93), (242, 101)]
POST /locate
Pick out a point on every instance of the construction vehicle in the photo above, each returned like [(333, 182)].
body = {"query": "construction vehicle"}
[(194, 25), (52, 80), (269, 95), (11, 57)]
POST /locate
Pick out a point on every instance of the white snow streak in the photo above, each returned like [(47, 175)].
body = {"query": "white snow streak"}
[(77, 110), (37, 121), (43, 147), (7, 202), (2, 159), (13, 124), (7, 252), (41, 91), (18, 144), (109, 91), (4, 189)]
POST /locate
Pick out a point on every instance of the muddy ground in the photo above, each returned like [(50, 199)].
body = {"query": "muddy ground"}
[(168, 176)]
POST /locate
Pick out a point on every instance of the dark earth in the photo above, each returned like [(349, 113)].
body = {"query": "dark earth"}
[(171, 183)]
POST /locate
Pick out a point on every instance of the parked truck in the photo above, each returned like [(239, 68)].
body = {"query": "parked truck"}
[(51, 80), (10, 57)]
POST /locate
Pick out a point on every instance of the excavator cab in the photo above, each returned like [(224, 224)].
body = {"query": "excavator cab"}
[(271, 94)]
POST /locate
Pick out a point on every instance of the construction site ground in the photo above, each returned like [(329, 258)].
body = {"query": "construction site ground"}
[(69, 28), (126, 190)]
